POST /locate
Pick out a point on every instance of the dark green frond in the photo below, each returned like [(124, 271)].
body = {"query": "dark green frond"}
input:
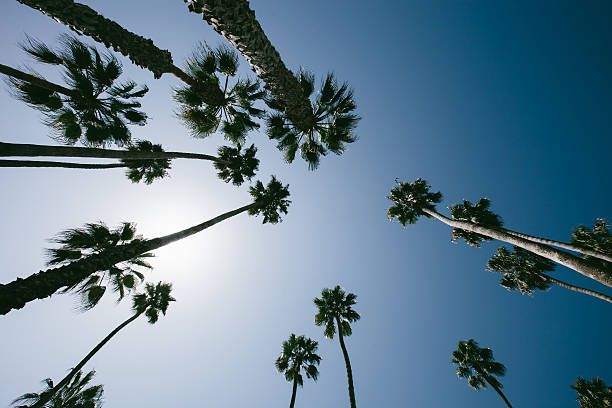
[(239, 166), (476, 214), (522, 270), (410, 199), (154, 300), (271, 201)]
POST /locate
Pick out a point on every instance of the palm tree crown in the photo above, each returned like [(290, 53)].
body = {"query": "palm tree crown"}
[(92, 239), (270, 200), (155, 299), (598, 239), (593, 393), (298, 352), (237, 166), (97, 109), (476, 214), (522, 270), (334, 305), (410, 199), (147, 169), (331, 129), (477, 365), (76, 394)]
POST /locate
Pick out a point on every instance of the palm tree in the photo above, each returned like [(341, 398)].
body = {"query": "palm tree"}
[(412, 200), (524, 271), (593, 394), (298, 353), (95, 109), (269, 201), (335, 309), (328, 121), (477, 365), (76, 394), (143, 158), (154, 300)]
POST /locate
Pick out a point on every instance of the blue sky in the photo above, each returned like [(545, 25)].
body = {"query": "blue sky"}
[(509, 101)]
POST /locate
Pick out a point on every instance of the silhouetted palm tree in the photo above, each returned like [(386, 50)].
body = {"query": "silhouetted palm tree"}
[(269, 201), (593, 394), (335, 309), (477, 365), (524, 271), (154, 300), (298, 353), (95, 108), (412, 200), (75, 394)]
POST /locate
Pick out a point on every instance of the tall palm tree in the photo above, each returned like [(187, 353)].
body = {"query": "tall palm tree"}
[(412, 200), (143, 158), (593, 393), (75, 394), (524, 271), (154, 300), (298, 353), (477, 365), (269, 201), (95, 109), (335, 310)]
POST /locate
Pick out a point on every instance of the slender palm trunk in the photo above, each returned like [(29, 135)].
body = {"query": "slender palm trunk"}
[(294, 392), (235, 20), (66, 165), (571, 261), (347, 361), (496, 388), (46, 396), (16, 294), (32, 150), (577, 288), (34, 80), (558, 244), (140, 50)]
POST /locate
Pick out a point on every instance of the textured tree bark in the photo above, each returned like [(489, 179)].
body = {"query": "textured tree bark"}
[(66, 165), (32, 150), (496, 388), (141, 51), (45, 397), (16, 294), (578, 288), (571, 261), (349, 371), (235, 20), (34, 80), (294, 392)]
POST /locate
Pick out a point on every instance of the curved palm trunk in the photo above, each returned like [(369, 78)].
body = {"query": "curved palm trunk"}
[(16, 294), (33, 150), (349, 371), (46, 396), (295, 384), (140, 50), (66, 165), (496, 388), (571, 261), (34, 80), (235, 20), (558, 244), (578, 288)]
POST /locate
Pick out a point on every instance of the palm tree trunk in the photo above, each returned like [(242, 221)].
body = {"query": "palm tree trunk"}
[(496, 388), (571, 261), (577, 288), (349, 371), (32, 150), (295, 384), (34, 80), (46, 396), (66, 165), (16, 294), (558, 244), (235, 20), (140, 50)]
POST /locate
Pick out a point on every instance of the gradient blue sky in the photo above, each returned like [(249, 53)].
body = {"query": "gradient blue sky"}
[(505, 100)]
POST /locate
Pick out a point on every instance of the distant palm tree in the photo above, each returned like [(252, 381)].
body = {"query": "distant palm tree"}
[(269, 201), (477, 365), (298, 353), (477, 223), (593, 394), (95, 109), (314, 128), (145, 160), (154, 300), (335, 309), (75, 394), (524, 271)]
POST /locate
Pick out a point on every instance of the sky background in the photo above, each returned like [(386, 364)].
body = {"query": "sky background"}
[(505, 100)]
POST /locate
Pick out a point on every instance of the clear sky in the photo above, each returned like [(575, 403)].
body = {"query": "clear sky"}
[(505, 100)]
